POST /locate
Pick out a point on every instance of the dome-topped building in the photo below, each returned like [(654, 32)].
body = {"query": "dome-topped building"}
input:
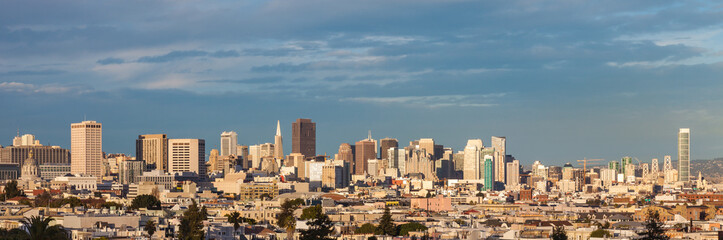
[(29, 171)]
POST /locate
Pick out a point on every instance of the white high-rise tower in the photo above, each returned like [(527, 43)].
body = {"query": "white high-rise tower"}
[(86, 148), (500, 158), (229, 141), (472, 159), (278, 142)]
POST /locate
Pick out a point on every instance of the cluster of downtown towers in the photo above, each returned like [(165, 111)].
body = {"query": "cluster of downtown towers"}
[(423, 158)]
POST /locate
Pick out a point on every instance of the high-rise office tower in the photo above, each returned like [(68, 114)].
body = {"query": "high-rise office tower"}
[(42, 154), (297, 160), (646, 170), (397, 159), (243, 153), (303, 139), (152, 149), (624, 162), (614, 166), (128, 170), (25, 140), (346, 154), (654, 168), (365, 150), (500, 146), (513, 173), (472, 160), (187, 155), (428, 145), (489, 172), (278, 142), (213, 161), (86, 148), (384, 145), (684, 155), (229, 141)]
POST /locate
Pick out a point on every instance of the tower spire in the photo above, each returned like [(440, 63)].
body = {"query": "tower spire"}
[(278, 128), (370, 135)]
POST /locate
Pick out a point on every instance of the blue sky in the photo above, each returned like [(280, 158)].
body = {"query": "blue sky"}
[(562, 80)]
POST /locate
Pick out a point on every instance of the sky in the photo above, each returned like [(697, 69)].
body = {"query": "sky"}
[(562, 80)]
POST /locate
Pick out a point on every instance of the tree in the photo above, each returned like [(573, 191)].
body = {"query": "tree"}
[(191, 227), (386, 226), (12, 190), (150, 228), (404, 229), (286, 218), (311, 212), (71, 201), (653, 228), (265, 196), (13, 234), (600, 233), (366, 228), (320, 226), (44, 199), (146, 201), (558, 233), (235, 219), (39, 228)]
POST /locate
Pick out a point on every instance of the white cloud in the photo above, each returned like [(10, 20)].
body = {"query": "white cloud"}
[(31, 88), (15, 86)]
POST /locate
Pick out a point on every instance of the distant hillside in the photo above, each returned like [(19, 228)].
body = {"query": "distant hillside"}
[(712, 170)]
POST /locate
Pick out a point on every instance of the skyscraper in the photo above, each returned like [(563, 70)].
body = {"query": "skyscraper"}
[(624, 163), (384, 145), (428, 145), (153, 150), (187, 155), (86, 148), (489, 172), (229, 141), (500, 145), (684, 154), (513, 173), (473, 160), (278, 142), (129, 170), (365, 150), (303, 139), (346, 154)]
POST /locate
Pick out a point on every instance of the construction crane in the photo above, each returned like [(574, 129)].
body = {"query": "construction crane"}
[(584, 163)]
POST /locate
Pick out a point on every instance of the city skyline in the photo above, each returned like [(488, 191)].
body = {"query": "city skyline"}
[(403, 143), (354, 120), (613, 75)]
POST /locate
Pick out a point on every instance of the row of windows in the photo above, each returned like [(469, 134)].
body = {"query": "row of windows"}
[(86, 126)]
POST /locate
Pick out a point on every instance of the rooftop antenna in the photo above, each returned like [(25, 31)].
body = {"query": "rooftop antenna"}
[(370, 135), (18, 132)]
